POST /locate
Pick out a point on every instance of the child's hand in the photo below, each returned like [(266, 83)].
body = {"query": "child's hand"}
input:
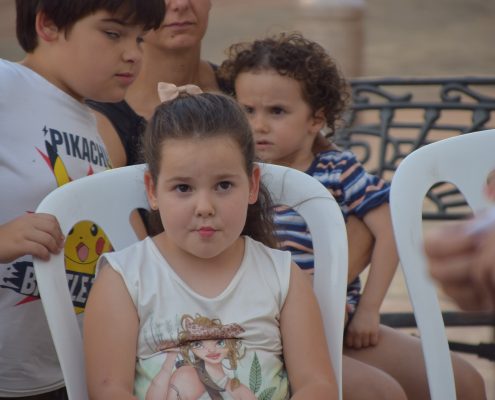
[(34, 234), (363, 329)]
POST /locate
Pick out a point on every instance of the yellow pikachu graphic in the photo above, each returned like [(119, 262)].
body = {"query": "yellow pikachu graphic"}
[(84, 244)]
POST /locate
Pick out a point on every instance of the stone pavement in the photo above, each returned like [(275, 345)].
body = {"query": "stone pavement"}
[(401, 38)]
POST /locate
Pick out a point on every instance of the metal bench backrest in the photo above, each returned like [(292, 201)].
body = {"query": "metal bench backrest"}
[(389, 118)]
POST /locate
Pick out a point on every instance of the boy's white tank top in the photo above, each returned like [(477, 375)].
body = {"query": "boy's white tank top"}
[(176, 321)]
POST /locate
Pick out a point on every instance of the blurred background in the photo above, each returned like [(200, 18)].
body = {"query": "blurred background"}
[(371, 37), (368, 37)]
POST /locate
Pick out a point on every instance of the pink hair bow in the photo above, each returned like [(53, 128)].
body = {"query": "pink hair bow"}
[(168, 91)]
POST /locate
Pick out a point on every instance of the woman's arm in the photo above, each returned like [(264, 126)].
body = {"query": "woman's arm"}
[(112, 141), (118, 157), (363, 328), (110, 338), (305, 348)]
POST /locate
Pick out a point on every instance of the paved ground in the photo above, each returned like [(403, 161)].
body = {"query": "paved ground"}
[(401, 38)]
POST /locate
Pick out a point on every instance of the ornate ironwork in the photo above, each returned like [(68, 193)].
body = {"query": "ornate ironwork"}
[(389, 118)]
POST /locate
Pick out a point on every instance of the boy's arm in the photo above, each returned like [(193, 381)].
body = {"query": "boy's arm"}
[(38, 235), (304, 345), (363, 328), (110, 338)]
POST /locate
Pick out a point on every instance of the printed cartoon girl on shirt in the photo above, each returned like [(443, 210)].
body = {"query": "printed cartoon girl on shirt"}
[(205, 349)]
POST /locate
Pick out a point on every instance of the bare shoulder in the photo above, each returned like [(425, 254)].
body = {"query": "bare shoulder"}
[(207, 77), (111, 139)]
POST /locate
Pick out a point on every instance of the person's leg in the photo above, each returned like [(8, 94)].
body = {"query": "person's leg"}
[(400, 355), (360, 242), (362, 381), (469, 383)]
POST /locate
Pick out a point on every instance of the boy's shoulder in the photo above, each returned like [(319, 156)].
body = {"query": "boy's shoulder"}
[(20, 84), (13, 79), (6, 64), (8, 70), (14, 76)]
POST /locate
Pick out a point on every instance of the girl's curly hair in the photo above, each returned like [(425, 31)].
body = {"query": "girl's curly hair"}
[(292, 55)]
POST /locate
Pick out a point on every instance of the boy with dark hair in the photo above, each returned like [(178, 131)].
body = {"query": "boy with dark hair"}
[(76, 50), (64, 14)]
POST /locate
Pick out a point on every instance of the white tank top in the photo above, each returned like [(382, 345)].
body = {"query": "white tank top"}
[(231, 341)]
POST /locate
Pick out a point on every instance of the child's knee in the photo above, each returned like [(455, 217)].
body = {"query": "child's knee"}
[(468, 381), (371, 384), (379, 390), (387, 390)]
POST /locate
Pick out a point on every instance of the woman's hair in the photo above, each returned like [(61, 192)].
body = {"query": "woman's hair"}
[(292, 55), (65, 13), (203, 116)]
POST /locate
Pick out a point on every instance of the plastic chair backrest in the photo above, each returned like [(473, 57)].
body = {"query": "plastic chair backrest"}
[(464, 161), (327, 226), (109, 197)]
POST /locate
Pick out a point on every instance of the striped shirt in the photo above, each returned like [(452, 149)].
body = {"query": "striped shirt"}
[(356, 192)]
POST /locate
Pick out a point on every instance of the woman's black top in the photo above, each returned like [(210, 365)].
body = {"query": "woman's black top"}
[(129, 125)]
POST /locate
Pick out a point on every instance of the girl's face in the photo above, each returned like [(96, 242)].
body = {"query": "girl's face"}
[(202, 193), (184, 25), (283, 123), (210, 351)]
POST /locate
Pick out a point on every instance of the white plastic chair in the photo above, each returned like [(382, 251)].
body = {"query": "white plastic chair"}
[(327, 226), (464, 161), (108, 198)]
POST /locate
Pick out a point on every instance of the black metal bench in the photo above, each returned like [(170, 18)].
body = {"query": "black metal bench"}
[(389, 118)]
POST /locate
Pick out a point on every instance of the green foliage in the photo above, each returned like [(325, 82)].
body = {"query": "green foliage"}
[(255, 375), (267, 394)]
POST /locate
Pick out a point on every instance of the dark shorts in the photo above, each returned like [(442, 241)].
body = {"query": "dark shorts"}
[(59, 394)]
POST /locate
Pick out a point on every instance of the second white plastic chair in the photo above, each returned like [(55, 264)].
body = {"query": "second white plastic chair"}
[(109, 197), (464, 161)]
